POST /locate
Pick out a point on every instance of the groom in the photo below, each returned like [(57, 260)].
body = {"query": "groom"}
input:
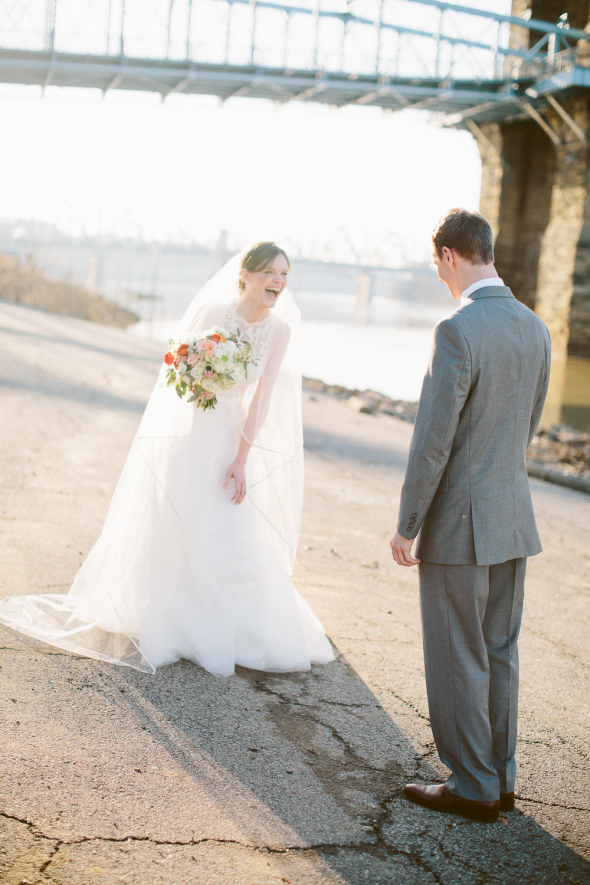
[(466, 491)]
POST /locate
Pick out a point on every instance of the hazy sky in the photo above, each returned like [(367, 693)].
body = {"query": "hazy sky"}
[(189, 167)]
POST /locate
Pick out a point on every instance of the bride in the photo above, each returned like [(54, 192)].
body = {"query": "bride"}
[(195, 556)]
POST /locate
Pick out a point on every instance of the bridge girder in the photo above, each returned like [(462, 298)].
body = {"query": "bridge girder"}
[(379, 81)]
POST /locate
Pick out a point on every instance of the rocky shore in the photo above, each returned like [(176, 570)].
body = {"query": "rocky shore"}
[(557, 454), (366, 401), (561, 454)]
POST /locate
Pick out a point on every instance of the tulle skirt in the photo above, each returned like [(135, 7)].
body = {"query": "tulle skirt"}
[(179, 571)]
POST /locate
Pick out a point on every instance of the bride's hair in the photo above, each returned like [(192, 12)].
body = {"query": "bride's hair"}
[(257, 257)]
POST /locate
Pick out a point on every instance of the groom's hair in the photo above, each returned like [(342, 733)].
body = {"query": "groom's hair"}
[(468, 233)]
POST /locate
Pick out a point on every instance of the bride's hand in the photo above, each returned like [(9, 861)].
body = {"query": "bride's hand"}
[(237, 472)]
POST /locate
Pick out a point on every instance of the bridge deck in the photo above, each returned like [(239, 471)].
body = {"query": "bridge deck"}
[(482, 101)]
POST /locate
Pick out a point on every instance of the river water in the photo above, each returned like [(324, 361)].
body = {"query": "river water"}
[(389, 352)]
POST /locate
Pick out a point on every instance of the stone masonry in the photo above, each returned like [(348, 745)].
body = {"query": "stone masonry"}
[(536, 195)]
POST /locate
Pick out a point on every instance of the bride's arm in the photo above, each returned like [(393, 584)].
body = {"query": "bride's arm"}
[(257, 413)]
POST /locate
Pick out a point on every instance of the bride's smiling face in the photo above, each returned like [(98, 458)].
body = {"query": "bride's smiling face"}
[(264, 286)]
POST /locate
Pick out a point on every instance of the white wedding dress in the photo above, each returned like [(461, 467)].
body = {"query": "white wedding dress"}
[(180, 571)]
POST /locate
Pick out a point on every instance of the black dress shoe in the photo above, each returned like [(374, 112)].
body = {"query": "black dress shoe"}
[(507, 801), (438, 798)]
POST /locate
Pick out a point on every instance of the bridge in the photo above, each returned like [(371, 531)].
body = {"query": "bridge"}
[(395, 54), (518, 80)]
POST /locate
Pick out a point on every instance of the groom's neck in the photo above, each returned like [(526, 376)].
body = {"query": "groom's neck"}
[(467, 274)]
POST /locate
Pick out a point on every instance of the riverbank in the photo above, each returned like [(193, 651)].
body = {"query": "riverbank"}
[(558, 454), (24, 284), (108, 775)]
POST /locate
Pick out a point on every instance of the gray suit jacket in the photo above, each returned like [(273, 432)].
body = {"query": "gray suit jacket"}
[(466, 487)]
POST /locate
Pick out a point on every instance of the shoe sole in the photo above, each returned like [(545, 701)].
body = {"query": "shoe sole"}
[(482, 817)]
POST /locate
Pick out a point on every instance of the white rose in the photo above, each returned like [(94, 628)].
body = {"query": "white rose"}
[(238, 371), (208, 384)]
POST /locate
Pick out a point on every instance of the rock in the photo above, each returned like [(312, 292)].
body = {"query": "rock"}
[(357, 404)]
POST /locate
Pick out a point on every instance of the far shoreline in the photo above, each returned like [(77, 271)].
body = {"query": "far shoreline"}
[(559, 454)]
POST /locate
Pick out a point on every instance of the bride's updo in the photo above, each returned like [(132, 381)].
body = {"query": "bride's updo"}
[(257, 257)]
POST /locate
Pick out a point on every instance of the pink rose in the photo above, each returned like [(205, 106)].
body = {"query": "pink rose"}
[(193, 358), (208, 346)]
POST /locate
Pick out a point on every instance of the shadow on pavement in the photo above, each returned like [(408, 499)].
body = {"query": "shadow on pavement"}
[(319, 765)]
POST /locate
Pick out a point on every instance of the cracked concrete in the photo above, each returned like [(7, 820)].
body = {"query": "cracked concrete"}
[(108, 775)]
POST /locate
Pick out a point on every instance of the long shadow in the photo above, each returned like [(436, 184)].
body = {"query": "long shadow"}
[(57, 388), (37, 379), (132, 355), (346, 449), (318, 754)]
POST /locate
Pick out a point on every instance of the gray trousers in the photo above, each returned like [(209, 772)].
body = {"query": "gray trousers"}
[(470, 624)]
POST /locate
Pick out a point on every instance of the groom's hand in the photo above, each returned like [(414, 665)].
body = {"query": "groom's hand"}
[(401, 550)]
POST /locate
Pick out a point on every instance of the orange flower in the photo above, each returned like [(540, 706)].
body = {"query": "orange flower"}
[(168, 358), (182, 349), (217, 337)]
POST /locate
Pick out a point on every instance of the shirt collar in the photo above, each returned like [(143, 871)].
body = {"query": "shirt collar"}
[(480, 284)]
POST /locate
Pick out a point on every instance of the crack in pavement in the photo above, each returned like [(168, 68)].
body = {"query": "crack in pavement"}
[(308, 713), (409, 704), (327, 848), (285, 699), (82, 840), (551, 804), (378, 848), (558, 644), (549, 743), (382, 849)]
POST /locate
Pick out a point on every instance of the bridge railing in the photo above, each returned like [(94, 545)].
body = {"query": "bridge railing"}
[(280, 49), (383, 37), (546, 66)]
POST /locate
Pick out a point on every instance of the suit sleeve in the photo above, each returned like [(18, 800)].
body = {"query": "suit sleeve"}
[(541, 392), (446, 386)]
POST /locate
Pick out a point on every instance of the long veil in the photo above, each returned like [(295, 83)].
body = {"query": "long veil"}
[(275, 462), (101, 616)]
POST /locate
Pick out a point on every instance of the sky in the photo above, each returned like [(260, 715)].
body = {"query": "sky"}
[(187, 168), (353, 183)]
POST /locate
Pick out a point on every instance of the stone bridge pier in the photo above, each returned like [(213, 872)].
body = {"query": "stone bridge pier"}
[(536, 195)]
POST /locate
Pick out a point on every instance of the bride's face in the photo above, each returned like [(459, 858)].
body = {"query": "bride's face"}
[(264, 286)]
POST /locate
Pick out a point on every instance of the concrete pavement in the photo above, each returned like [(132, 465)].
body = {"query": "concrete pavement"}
[(109, 775)]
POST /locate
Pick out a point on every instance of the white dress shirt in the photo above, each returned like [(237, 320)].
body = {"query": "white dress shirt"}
[(489, 281)]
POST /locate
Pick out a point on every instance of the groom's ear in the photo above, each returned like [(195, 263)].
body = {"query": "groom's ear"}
[(449, 256)]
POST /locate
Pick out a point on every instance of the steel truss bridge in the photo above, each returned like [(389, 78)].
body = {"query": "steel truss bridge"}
[(465, 64)]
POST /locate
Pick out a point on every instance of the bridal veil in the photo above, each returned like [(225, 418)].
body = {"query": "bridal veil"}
[(100, 615)]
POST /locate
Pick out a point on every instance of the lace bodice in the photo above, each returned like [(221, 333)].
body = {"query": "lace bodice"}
[(268, 338), (258, 335)]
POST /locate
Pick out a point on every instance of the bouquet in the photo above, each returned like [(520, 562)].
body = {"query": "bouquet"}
[(216, 360)]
